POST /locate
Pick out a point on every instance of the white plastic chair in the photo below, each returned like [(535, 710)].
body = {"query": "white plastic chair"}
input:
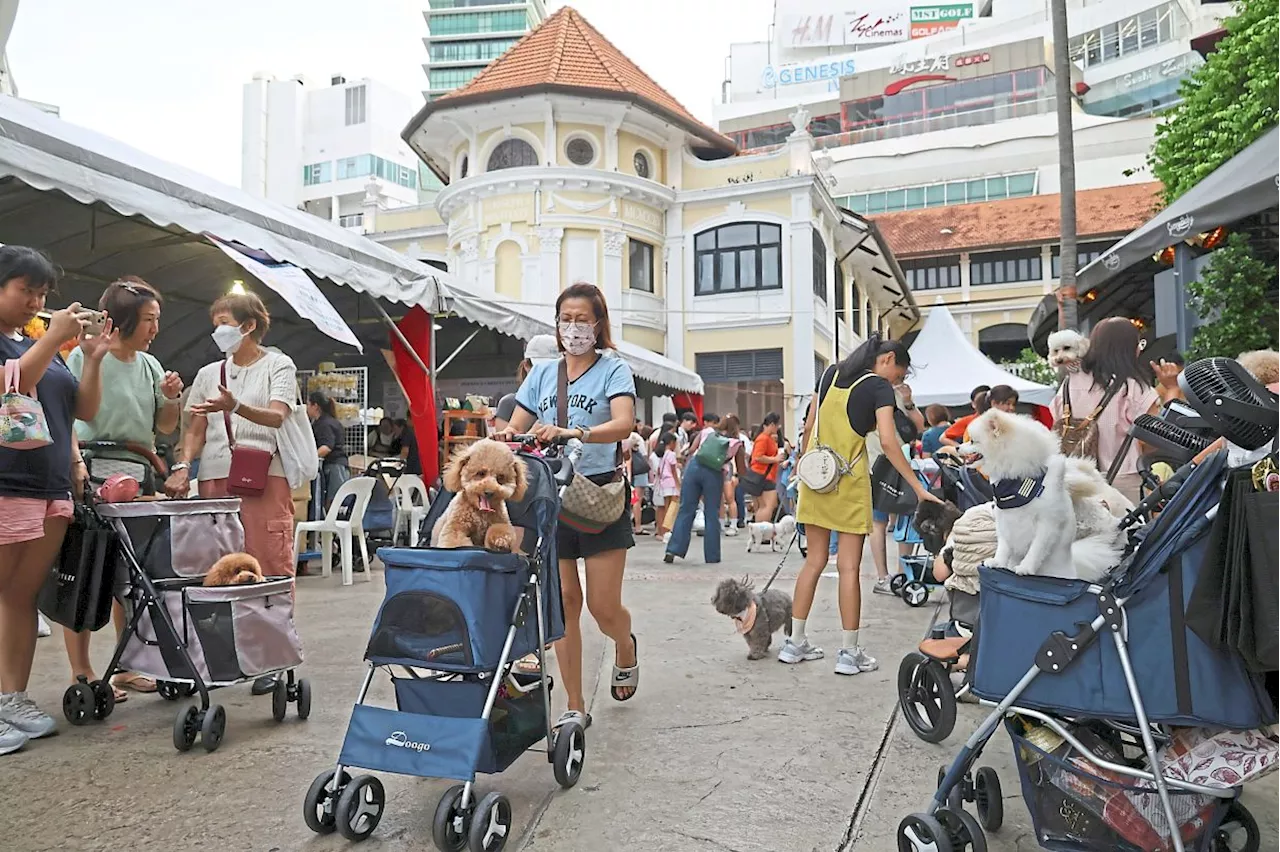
[(362, 488), (411, 500)]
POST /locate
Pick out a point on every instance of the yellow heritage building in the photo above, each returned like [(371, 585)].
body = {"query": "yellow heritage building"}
[(564, 162)]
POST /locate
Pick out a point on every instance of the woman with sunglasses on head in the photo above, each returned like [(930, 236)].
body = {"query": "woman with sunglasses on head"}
[(601, 411), (144, 402)]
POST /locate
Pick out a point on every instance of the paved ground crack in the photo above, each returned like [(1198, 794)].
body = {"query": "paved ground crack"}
[(865, 796), (708, 840)]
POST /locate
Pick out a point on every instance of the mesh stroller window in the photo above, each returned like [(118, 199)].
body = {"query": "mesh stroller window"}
[(423, 626)]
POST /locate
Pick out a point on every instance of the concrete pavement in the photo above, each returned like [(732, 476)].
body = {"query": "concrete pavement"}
[(714, 753)]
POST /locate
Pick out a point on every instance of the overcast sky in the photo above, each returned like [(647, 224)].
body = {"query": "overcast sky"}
[(166, 75)]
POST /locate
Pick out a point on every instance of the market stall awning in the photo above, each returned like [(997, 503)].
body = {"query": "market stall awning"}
[(102, 209), (1240, 187), (520, 322)]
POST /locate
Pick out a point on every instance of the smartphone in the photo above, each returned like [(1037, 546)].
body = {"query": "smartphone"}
[(97, 321)]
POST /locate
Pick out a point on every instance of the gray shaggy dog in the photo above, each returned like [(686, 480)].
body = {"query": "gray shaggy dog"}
[(772, 610)]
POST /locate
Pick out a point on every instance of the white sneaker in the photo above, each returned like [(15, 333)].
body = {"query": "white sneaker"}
[(11, 739), (852, 661), (731, 530), (20, 712), (792, 653), (42, 627)]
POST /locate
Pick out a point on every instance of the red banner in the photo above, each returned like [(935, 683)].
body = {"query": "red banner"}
[(688, 402), (416, 328)]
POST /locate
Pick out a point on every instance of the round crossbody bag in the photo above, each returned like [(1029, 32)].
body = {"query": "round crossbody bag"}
[(821, 467)]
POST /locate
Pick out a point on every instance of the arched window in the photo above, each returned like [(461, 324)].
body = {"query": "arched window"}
[(512, 154), (737, 257)]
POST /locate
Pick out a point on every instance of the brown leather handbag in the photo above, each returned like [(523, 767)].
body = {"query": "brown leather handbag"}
[(1078, 437)]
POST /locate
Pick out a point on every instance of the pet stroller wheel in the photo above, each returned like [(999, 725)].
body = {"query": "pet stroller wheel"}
[(896, 582), (964, 830), (78, 704), (1238, 831), (168, 690), (915, 593), (491, 825), (925, 698), (212, 727), (360, 808), (568, 754), (955, 798), (104, 699), (988, 799), (304, 698), (321, 802), (923, 833), (451, 824), (186, 727), (280, 699)]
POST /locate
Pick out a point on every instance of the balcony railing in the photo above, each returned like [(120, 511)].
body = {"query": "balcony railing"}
[(946, 121)]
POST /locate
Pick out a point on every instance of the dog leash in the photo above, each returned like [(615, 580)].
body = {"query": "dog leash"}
[(794, 538)]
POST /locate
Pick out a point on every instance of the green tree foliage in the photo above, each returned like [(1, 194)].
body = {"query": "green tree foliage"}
[(1233, 291), (1032, 367), (1227, 103)]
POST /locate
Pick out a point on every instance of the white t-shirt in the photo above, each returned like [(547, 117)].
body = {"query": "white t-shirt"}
[(272, 378)]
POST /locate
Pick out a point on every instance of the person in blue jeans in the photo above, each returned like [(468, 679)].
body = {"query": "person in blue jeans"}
[(705, 483)]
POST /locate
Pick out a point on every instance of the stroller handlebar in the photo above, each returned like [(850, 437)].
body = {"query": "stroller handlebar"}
[(565, 453)]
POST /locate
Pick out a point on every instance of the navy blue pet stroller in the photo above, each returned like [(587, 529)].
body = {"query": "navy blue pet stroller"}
[(1083, 706), (450, 628)]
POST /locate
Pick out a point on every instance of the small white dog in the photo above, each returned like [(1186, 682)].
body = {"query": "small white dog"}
[(1036, 521), (1067, 348), (775, 536)]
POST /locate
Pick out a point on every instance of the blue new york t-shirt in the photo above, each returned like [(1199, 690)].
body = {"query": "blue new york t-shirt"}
[(589, 398)]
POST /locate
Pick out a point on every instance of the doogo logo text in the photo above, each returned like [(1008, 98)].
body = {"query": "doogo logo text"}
[(401, 740)]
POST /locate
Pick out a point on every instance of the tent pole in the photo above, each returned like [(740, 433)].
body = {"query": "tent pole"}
[(458, 351), (395, 329)]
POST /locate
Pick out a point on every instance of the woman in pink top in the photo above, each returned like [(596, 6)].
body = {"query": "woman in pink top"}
[(1113, 358)]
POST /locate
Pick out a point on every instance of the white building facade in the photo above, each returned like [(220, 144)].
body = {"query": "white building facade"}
[(328, 150)]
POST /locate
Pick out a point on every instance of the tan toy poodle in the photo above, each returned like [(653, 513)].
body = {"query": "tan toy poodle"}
[(234, 569), (482, 477)]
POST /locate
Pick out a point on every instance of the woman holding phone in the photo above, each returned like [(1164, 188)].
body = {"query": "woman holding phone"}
[(36, 484)]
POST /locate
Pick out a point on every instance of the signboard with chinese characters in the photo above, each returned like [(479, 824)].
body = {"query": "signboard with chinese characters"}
[(937, 64)]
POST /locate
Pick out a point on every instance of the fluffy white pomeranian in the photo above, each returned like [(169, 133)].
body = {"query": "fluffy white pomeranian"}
[(1036, 520)]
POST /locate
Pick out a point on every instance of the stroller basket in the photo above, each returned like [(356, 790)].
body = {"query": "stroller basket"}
[(1075, 805), (439, 731), (449, 610), (231, 633), (175, 539), (1181, 679)]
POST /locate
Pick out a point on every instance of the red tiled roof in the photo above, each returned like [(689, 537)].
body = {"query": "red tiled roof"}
[(566, 53), (1108, 211)]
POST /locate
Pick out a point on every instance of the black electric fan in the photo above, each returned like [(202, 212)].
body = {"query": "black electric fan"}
[(1231, 401)]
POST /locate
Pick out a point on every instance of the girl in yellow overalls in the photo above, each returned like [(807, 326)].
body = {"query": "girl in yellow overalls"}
[(852, 399)]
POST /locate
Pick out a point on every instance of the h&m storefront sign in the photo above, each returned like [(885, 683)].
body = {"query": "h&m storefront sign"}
[(826, 23)]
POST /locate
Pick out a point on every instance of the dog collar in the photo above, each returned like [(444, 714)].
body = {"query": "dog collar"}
[(1016, 493), (746, 619)]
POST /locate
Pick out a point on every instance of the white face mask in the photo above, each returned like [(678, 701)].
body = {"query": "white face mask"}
[(578, 338), (228, 338)]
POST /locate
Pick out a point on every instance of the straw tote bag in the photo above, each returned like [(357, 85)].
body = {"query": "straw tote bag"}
[(586, 506)]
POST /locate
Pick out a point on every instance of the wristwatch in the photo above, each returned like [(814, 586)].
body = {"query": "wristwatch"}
[(586, 434), (179, 466)]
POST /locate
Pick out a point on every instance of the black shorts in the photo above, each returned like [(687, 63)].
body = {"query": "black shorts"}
[(571, 544)]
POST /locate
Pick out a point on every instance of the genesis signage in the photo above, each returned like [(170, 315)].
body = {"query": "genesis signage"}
[(828, 69)]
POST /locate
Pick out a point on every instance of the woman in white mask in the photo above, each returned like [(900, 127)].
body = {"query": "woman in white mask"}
[(600, 410), (237, 404)]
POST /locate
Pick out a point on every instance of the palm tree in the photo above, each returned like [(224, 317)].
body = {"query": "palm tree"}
[(1068, 307)]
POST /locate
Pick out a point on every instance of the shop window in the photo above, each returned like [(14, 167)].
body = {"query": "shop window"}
[(1005, 267), (745, 383), (744, 256), (640, 265), (512, 154)]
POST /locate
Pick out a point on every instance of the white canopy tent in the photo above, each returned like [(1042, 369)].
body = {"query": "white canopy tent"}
[(947, 367)]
